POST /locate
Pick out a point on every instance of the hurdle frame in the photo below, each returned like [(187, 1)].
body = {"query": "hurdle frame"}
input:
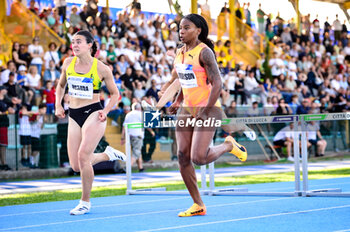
[(330, 192), (296, 119), (262, 120), (153, 191)]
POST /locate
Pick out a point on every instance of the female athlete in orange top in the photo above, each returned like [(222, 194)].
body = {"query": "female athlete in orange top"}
[(197, 70)]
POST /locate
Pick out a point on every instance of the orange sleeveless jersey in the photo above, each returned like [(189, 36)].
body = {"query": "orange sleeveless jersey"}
[(193, 78)]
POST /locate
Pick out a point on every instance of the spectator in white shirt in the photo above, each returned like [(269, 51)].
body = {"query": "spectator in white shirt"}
[(343, 82), (230, 81), (103, 53), (276, 64), (347, 51), (166, 75), (170, 42), (130, 54), (52, 54), (335, 83), (132, 35), (251, 86), (143, 36), (292, 68), (36, 51), (158, 77), (156, 52), (157, 38), (314, 137), (141, 29), (11, 67), (136, 135), (169, 58), (337, 27), (119, 49), (284, 138), (150, 29), (33, 82)]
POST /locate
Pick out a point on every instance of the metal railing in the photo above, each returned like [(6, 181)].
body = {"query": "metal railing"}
[(22, 26)]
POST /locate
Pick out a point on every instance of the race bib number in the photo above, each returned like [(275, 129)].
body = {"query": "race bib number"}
[(186, 75), (80, 87)]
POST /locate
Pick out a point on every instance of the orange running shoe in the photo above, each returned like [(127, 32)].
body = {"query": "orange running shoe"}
[(194, 210), (238, 150)]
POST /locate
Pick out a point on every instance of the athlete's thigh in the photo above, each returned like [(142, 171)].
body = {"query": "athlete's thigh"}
[(203, 135), (183, 135), (92, 132), (73, 142)]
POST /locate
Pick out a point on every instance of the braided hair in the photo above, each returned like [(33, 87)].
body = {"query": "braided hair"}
[(89, 39), (200, 22)]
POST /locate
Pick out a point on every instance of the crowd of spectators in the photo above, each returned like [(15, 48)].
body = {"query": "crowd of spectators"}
[(308, 73), (307, 69)]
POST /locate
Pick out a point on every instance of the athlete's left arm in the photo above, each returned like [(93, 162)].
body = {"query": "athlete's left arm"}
[(107, 75), (207, 59)]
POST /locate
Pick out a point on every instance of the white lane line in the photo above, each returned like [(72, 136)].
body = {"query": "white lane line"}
[(248, 218), (132, 215), (140, 202), (346, 230), (97, 206)]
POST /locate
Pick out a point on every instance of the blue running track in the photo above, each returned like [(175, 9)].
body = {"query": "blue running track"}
[(159, 212)]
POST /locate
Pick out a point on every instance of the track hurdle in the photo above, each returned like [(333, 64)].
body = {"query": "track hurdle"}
[(212, 191), (330, 192), (245, 192), (150, 191)]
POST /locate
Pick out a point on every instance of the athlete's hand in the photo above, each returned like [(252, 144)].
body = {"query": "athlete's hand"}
[(160, 94), (59, 112), (174, 107), (102, 115)]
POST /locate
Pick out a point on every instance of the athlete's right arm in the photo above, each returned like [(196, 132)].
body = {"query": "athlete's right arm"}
[(166, 85), (173, 108), (61, 86), (169, 94)]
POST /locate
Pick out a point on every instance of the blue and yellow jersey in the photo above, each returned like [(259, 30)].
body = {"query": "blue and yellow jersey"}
[(83, 85)]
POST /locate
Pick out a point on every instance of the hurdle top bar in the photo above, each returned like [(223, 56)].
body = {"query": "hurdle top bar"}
[(264, 119)]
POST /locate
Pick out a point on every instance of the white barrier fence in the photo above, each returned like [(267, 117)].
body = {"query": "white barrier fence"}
[(298, 191)]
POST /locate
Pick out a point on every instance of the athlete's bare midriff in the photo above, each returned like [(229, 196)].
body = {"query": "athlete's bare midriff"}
[(78, 102)]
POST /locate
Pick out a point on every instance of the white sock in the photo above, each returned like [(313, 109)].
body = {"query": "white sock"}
[(37, 158), (31, 158)]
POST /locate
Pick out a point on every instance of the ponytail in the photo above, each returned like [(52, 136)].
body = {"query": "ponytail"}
[(93, 49), (200, 22), (209, 43)]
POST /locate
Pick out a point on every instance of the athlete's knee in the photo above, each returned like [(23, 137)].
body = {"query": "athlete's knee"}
[(84, 158), (183, 158), (199, 161), (199, 156), (75, 167)]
